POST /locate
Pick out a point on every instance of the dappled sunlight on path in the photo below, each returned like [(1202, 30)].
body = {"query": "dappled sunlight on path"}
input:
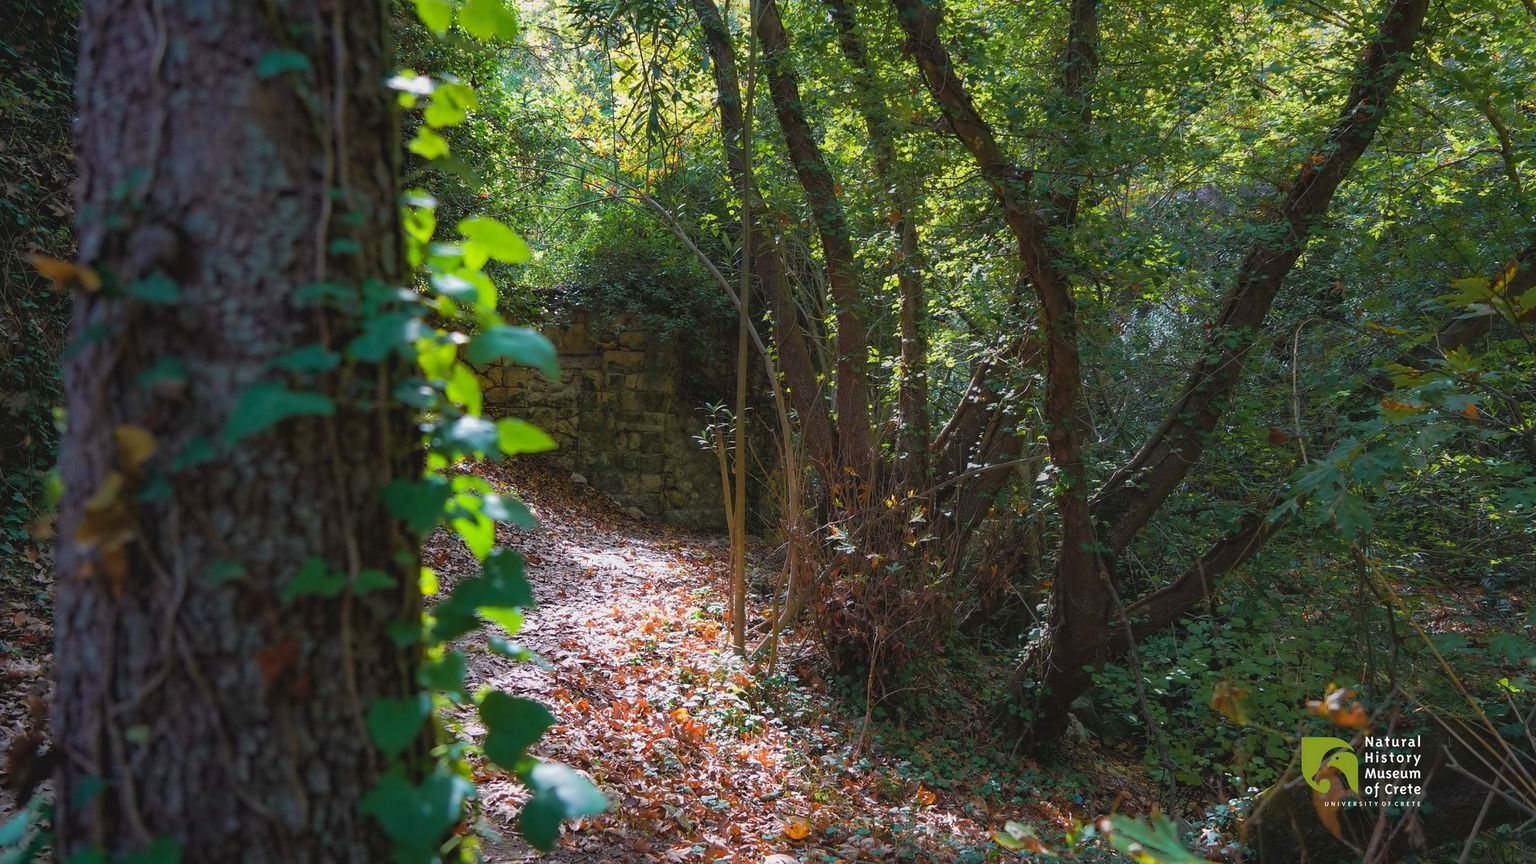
[(701, 758)]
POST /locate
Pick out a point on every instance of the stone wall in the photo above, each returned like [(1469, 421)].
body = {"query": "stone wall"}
[(623, 416)]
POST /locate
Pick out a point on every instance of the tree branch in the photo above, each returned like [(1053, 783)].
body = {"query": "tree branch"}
[(1138, 489)]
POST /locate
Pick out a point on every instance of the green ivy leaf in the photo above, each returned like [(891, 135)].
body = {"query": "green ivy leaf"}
[(512, 725), (516, 436), (506, 509), (507, 618), (420, 222), (454, 287), (495, 594), (404, 633), (382, 334), (268, 403), (310, 358), (428, 145), (520, 345), (154, 288), (372, 580), (505, 582), (488, 19), (417, 817), (479, 533), (451, 104), (467, 435), (395, 723), (276, 62), (437, 15), (420, 504), (489, 238), (317, 293), (314, 579), (559, 792), (464, 389), (446, 673)]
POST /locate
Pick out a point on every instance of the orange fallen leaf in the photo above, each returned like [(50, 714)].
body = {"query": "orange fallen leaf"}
[(1232, 701), (135, 445), (67, 274), (796, 828)]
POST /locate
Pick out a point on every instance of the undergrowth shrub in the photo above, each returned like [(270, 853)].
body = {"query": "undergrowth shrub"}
[(1281, 634)]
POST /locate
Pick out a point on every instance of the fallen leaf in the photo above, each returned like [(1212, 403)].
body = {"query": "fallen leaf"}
[(796, 828), (67, 274), (135, 445), (1232, 701)]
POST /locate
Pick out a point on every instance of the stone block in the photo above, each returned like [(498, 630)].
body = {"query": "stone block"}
[(695, 518), (624, 360)]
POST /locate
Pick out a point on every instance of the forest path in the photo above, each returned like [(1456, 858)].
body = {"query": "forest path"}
[(701, 758)]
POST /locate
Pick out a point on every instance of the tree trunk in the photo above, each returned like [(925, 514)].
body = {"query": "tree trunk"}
[(855, 453), (1081, 604), (1138, 489), (912, 468), (1057, 669), (238, 152), (766, 261)]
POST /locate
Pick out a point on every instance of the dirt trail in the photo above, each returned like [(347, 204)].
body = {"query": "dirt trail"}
[(702, 758)]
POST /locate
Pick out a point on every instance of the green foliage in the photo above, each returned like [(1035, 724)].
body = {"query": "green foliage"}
[(619, 261), (269, 403), (314, 579), (423, 327), (558, 793), (395, 723), (37, 51), (1154, 842), (417, 816), (1283, 635), (512, 725)]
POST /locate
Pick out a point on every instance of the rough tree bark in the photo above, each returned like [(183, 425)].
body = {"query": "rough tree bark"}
[(912, 441), (1081, 604), (855, 452), (767, 263), (193, 703)]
